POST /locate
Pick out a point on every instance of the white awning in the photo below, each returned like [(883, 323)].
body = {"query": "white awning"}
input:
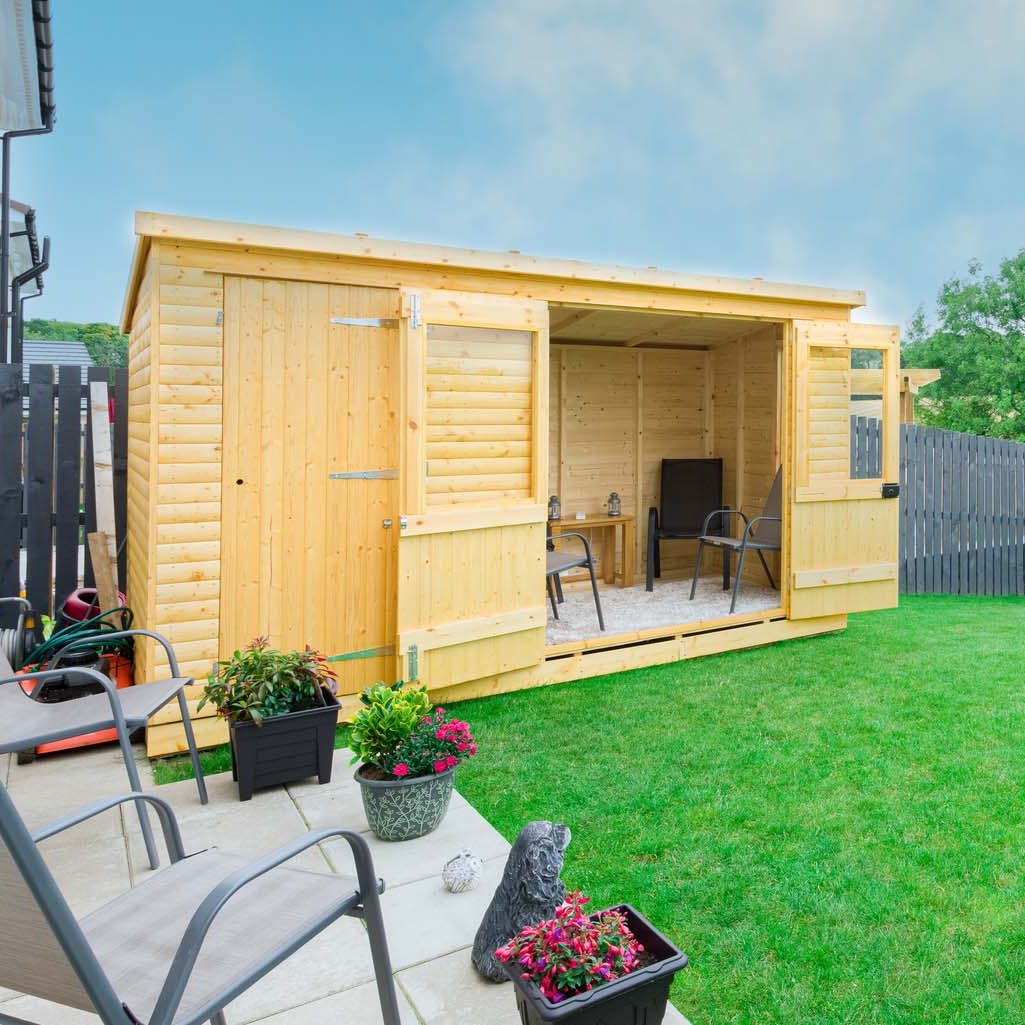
[(21, 106)]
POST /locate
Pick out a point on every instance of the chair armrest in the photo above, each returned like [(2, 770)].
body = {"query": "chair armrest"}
[(104, 638), (577, 534), (23, 602), (192, 941), (725, 514), (117, 712), (168, 820), (749, 529)]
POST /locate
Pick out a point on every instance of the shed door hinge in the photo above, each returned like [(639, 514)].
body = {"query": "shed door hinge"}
[(414, 310), (413, 662)]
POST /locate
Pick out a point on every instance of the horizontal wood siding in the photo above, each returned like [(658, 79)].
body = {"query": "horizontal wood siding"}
[(479, 387)]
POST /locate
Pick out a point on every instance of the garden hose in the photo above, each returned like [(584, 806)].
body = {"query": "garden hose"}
[(91, 630), (10, 645)]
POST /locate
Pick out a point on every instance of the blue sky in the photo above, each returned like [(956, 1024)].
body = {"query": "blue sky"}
[(870, 145)]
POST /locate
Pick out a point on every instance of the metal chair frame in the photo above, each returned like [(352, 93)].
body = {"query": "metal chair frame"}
[(115, 721), (365, 904), (555, 567)]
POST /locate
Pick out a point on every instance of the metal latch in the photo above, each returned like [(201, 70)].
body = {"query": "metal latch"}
[(366, 475), (891, 490), (365, 321), (386, 523), (403, 523)]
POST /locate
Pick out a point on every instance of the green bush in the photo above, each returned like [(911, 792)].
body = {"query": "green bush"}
[(260, 682), (387, 718)]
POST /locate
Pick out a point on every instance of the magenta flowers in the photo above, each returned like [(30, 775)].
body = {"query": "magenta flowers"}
[(573, 952)]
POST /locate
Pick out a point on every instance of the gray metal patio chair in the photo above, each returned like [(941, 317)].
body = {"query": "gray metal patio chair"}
[(26, 722), (764, 533), (559, 561), (183, 943)]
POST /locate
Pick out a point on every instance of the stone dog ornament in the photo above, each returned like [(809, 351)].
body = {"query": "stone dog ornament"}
[(529, 892)]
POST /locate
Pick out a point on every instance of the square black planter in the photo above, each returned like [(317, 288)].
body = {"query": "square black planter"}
[(639, 998), (285, 748)]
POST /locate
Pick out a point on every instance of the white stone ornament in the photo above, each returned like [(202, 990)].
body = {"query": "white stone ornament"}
[(462, 872)]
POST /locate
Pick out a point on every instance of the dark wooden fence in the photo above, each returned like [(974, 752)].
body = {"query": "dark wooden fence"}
[(47, 501), (962, 508)]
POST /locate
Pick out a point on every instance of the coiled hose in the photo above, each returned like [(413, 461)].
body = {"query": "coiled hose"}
[(92, 629)]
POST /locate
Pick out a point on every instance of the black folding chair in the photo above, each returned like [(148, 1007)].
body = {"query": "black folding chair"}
[(689, 488)]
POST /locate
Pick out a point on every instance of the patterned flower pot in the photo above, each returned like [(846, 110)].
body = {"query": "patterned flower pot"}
[(639, 998), (403, 809)]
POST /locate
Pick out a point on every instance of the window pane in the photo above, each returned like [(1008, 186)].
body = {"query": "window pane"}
[(866, 414)]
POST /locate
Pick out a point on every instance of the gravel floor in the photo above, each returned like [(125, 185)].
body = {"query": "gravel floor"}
[(632, 608)]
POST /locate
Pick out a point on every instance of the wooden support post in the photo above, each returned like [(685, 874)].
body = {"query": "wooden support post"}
[(103, 543)]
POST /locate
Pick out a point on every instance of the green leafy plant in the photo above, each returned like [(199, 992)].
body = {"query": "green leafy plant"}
[(388, 716), (260, 682)]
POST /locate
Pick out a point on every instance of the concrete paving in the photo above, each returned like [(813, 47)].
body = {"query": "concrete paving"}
[(430, 931)]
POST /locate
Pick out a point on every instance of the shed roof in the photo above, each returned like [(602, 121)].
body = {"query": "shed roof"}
[(55, 354), (150, 225)]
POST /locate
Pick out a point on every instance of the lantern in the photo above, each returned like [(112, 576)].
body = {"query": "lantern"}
[(554, 508), (615, 505)]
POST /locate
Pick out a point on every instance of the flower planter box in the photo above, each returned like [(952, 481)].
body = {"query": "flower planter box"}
[(285, 748), (639, 998), (403, 809)]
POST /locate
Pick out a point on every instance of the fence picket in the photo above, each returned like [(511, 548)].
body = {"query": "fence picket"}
[(10, 486), (68, 483), (39, 488)]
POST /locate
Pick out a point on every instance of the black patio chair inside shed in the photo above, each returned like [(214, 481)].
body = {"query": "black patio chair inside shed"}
[(688, 489)]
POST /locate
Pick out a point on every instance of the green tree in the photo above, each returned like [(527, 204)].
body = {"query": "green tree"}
[(978, 341), (106, 346)]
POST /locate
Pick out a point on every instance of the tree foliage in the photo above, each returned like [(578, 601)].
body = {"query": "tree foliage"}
[(106, 346), (978, 341)]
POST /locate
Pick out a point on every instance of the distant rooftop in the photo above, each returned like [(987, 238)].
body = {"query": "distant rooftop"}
[(55, 353)]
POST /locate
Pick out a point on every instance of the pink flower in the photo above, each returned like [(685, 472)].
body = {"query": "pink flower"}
[(473, 749), (451, 760), (440, 765), (439, 734), (400, 770)]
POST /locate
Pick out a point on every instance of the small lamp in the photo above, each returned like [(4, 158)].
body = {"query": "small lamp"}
[(615, 505)]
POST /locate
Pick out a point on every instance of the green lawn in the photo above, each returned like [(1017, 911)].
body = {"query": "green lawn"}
[(833, 829)]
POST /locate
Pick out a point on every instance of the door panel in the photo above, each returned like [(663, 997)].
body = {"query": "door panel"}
[(844, 532), (305, 557), (471, 554)]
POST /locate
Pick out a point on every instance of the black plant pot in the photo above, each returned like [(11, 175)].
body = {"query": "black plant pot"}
[(639, 998), (285, 748)]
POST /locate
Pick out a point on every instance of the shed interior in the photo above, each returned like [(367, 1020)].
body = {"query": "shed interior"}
[(628, 389)]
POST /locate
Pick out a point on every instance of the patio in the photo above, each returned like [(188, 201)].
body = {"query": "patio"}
[(430, 930)]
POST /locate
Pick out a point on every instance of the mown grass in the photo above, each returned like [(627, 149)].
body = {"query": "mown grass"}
[(833, 829)]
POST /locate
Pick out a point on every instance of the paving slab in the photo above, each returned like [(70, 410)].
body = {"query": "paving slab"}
[(423, 858), (336, 960), (90, 872), (356, 1006), (448, 991), (425, 921)]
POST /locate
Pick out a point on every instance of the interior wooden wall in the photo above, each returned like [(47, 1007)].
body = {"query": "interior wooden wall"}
[(747, 377), (617, 413)]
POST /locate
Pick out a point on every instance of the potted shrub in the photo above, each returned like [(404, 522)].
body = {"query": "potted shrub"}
[(281, 711), (612, 967), (409, 753)]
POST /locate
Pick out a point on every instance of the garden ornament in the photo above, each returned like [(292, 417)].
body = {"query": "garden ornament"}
[(529, 893), (462, 872)]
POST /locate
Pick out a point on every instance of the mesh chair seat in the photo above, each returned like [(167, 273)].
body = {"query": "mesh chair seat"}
[(25, 722), (136, 935), (559, 562), (738, 542)]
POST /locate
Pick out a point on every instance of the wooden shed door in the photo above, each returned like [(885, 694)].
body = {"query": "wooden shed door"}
[(845, 455), (472, 546), (310, 468)]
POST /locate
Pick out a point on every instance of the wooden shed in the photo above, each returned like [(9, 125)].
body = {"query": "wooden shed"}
[(350, 442)]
